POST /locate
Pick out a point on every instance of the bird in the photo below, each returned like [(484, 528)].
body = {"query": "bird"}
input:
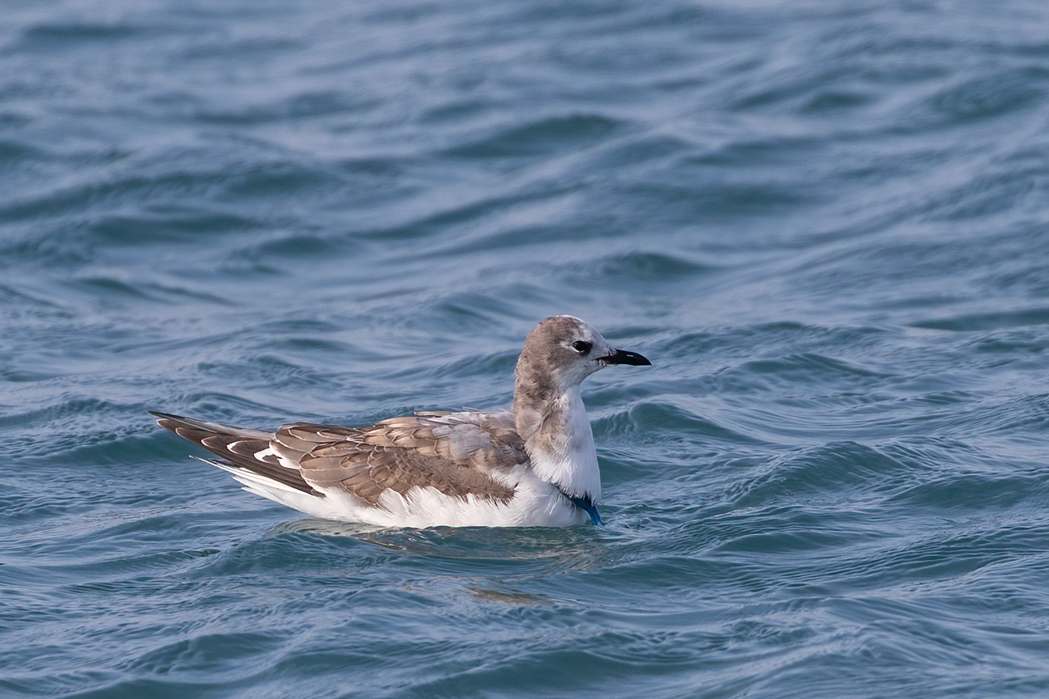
[(534, 464)]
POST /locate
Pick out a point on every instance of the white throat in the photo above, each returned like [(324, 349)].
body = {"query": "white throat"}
[(562, 449)]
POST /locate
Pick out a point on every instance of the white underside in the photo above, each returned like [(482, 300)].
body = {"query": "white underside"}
[(535, 504)]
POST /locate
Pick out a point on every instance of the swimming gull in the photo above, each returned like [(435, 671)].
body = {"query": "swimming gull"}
[(532, 465)]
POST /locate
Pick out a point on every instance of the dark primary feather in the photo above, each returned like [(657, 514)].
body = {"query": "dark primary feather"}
[(237, 447)]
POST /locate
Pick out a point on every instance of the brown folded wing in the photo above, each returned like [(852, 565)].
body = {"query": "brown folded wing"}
[(456, 454)]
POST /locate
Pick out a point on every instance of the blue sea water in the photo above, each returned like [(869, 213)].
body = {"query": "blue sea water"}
[(827, 224)]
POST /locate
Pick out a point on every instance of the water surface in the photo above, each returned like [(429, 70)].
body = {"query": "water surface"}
[(825, 223)]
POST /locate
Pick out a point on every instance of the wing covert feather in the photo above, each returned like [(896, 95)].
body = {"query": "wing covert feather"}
[(454, 453)]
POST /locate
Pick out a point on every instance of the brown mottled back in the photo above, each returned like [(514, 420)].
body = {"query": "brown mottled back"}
[(439, 450)]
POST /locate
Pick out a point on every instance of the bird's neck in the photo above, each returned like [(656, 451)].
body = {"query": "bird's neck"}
[(558, 439)]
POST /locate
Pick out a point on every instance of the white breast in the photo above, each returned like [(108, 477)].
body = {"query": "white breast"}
[(570, 460)]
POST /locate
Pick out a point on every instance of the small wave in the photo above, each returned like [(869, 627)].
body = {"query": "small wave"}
[(826, 472), (641, 267), (551, 135), (988, 321)]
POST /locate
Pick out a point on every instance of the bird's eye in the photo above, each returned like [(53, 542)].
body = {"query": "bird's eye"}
[(581, 346)]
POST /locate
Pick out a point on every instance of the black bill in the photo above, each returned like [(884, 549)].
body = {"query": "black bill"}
[(623, 357)]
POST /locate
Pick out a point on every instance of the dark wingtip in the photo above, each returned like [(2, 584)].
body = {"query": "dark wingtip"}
[(167, 420)]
